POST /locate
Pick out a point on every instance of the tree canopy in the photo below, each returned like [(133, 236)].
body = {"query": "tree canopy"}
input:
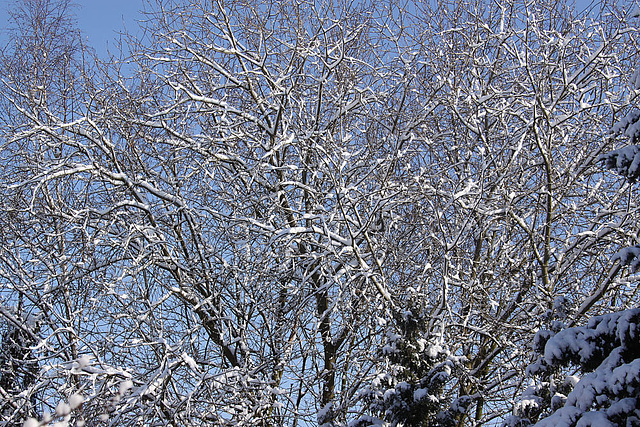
[(309, 213)]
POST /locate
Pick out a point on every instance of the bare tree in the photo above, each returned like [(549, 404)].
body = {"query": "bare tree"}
[(589, 373), (42, 67), (518, 236), (230, 234)]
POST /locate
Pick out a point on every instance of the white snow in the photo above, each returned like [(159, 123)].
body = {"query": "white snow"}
[(75, 401), (609, 390), (628, 256), (63, 409)]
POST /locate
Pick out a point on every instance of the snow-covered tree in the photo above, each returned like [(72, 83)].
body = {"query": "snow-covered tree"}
[(524, 228), (18, 367), (42, 68), (590, 375), (410, 390), (280, 213), (604, 390)]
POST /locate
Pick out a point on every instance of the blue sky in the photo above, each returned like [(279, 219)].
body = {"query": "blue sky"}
[(100, 20)]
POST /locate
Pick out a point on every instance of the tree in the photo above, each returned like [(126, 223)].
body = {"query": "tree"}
[(42, 68), (590, 375), (521, 229), (224, 236), (605, 392), (19, 367), (412, 389)]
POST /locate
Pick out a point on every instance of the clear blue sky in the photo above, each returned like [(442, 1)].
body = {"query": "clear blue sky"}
[(100, 20)]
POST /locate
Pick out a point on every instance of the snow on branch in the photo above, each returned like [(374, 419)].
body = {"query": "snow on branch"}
[(624, 161)]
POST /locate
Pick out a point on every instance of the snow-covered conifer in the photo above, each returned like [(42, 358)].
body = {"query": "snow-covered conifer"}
[(409, 392)]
